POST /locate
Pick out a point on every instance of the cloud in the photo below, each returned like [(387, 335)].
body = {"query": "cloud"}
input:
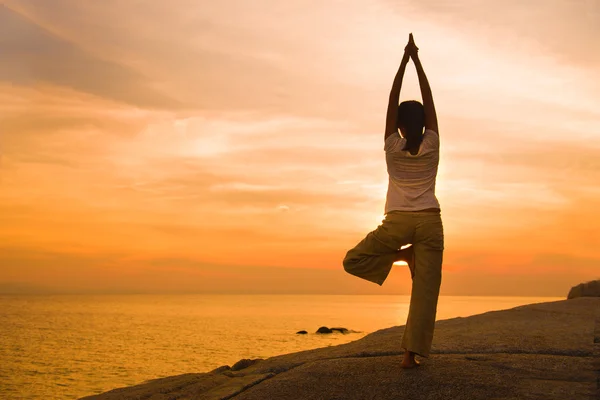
[(559, 27), (32, 55)]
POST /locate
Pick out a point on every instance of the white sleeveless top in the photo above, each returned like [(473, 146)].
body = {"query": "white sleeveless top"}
[(411, 184)]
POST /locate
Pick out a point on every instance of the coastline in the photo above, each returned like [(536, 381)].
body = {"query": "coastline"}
[(544, 350)]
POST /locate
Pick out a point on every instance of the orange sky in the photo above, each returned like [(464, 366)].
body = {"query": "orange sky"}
[(236, 146)]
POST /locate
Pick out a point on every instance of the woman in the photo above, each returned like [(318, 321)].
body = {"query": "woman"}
[(412, 211)]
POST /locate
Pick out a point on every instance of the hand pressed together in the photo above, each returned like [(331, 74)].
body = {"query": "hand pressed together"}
[(411, 48)]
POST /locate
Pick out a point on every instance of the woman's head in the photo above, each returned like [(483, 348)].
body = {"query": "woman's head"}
[(411, 119)]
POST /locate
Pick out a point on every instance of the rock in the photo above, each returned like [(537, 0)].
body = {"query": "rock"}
[(539, 351), (222, 368), (301, 333), (325, 329), (244, 363), (340, 330), (587, 289)]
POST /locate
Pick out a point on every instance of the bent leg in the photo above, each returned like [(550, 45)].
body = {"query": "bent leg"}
[(372, 258), (428, 247)]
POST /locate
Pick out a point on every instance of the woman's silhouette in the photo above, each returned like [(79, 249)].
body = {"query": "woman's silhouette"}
[(412, 211)]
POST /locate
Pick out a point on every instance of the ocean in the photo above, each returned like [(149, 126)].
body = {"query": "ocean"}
[(70, 346)]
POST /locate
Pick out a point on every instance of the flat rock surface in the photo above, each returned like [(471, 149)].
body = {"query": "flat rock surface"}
[(540, 351)]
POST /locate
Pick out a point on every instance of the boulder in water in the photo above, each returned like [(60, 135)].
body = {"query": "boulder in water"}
[(325, 329), (301, 333), (587, 289), (340, 330)]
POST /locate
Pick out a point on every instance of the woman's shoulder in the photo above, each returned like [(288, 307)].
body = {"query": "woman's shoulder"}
[(431, 138), (431, 135)]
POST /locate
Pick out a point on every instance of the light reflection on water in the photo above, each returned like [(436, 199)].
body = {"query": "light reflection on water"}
[(72, 346)]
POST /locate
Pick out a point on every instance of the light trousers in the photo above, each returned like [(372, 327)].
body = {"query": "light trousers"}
[(373, 257)]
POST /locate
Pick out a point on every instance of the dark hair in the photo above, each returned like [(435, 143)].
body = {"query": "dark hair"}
[(411, 117)]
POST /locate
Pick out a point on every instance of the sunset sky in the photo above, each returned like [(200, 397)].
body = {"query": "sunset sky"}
[(237, 146)]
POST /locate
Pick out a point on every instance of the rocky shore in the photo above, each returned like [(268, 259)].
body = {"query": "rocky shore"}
[(540, 351)]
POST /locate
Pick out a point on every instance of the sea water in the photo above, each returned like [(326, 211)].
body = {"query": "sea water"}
[(69, 346)]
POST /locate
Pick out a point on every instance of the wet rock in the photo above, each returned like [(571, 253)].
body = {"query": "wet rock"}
[(340, 330), (301, 333), (244, 363), (324, 329), (221, 369)]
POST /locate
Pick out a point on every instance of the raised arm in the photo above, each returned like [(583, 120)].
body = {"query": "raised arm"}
[(391, 125), (429, 107)]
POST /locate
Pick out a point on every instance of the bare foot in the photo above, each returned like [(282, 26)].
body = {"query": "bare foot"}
[(409, 365), (408, 255), (409, 360)]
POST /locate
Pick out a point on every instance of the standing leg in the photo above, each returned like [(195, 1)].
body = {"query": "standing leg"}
[(408, 256), (428, 247)]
